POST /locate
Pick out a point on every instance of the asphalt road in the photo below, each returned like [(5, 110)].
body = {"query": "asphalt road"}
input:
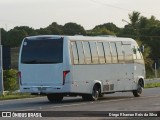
[(149, 101)]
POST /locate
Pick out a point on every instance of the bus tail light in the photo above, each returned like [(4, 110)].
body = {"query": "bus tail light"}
[(64, 75)]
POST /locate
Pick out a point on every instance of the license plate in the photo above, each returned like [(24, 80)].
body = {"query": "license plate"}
[(41, 88)]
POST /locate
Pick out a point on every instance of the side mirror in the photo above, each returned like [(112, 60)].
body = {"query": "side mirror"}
[(142, 48)]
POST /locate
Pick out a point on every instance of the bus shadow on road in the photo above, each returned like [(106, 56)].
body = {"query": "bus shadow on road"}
[(80, 100)]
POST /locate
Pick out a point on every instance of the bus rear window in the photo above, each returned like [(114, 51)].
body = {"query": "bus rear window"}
[(42, 51)]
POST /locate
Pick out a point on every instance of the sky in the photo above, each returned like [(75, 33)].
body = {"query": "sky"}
[(88, 13)]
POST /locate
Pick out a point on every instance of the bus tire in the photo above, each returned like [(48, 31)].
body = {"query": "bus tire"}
[(138, 92), (55, 98), (94, 96), (95, 93)]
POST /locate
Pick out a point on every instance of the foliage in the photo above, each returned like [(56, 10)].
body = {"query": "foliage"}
[(43, 31), (100, 31), (55, 29), (134, 19), (109, 26), (105, 29), (52, 29), (147, 59), (3, 36), (12, 95), (29, 31), (10, 80), (152, 85), (15, 37), (73, 29)]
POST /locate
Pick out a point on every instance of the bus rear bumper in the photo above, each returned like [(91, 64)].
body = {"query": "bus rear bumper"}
[(44, 89)]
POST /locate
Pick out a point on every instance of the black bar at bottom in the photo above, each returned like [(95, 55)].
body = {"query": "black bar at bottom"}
[(79, 113)]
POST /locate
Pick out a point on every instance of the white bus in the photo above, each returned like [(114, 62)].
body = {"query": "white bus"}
[(59, 66)]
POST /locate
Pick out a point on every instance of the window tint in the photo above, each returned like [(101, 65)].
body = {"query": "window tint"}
[(42, 51), (87, 52), (74, 52), (120, 52), (80, 52), (107, 52), (114, 52), (128, 53), (94, 53), (101, 52)]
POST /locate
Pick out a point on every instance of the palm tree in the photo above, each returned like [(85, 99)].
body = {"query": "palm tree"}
[(134, 19), (135, 22)]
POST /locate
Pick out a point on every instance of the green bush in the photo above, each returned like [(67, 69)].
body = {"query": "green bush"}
[(10, 80), (152, 85)]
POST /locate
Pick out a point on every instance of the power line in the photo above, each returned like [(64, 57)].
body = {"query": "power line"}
[(109, 5), (120, 8)]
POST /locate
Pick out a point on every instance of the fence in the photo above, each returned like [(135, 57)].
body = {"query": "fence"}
[(14, 57)]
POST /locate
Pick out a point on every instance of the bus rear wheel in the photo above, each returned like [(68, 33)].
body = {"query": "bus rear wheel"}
[(95, 93), (94, 96), (55, 98)]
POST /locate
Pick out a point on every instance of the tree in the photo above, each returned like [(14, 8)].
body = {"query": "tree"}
[(104, 29), (73, 29), (154, 22), (143, 22), (100, 31), (109, 26), (55, 29), (15, 37), (3, 36), (28, 30), (134, 19), (43, 31)]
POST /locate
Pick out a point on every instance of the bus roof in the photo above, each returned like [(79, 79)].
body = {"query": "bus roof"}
[(84, 38), (99, 38)]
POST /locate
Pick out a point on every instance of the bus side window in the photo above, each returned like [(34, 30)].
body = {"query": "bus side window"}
[(87, 52), (74, 52), (107, 52), (101, 52), (114, 52), (94, 52), (80, 52), (128, 53), (120, 52)]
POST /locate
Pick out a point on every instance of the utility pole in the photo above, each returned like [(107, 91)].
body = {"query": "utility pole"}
[(123, 20), (1, 68), (155, 68)]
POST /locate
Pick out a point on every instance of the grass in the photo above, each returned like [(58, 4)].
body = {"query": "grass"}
[(152, 85), (9, 96)]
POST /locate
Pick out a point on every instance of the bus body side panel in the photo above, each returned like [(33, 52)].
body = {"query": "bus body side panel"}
[(85, 75), (125, 78)]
